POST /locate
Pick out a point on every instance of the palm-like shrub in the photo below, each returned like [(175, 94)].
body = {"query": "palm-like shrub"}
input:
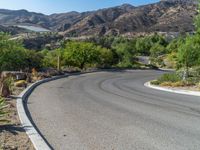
[(3, 106), (6, 86)]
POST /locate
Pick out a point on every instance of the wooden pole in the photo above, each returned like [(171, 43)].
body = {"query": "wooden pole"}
[(58, 63)]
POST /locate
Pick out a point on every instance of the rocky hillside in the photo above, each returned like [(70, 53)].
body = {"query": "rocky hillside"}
[(12, 30), (164, 16), (15, 17)]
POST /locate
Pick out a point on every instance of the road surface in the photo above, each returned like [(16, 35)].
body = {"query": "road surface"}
[(114, 111)]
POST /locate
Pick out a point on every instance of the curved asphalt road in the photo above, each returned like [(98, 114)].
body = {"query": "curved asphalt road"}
[(114, 111)]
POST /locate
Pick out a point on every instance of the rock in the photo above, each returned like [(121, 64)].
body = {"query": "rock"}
[(51, 72), (20, 83), (15, 74), (34, 79)]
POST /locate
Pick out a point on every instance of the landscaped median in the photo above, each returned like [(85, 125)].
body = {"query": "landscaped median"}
[(177, 83)]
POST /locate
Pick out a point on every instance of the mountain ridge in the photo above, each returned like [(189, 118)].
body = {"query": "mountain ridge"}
[(163, 16)]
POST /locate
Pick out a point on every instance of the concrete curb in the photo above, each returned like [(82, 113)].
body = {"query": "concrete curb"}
[(37, 140), (185, 92)]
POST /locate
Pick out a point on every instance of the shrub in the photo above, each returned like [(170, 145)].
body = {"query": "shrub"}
[(192, 81), (155, 82), (3, 106), (173, 84), (169, 77), (6, 86), (194, 71), (9, 82)]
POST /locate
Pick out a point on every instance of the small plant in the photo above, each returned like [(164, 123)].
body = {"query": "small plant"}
[(191, 81), (155, 82), (6, 86), (169, 77), (9, 82), (173, 84), (3, 106)]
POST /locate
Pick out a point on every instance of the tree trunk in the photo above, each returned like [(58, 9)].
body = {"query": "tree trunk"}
[(82, 65), (58, 63), (186, 72)]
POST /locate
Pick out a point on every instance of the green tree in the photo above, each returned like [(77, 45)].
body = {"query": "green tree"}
[(144, 44), (189, 52), (157, 50), (125, 51), (49, 58), (174, 45), (33, 59), (104, 41), (157, 53), (106, 57), (12, 54), (78, 54)]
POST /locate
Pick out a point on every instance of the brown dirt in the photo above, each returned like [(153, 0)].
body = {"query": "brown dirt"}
[(12, 134), (190, 88)]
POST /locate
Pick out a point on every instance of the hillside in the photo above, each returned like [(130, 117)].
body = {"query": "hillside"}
[(12, 29), (164, 16)]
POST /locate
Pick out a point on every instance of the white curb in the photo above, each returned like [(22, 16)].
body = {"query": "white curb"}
[(37, 140), (185, 92)]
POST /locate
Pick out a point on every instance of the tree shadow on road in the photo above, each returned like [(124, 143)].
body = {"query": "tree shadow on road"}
[(14, 129)]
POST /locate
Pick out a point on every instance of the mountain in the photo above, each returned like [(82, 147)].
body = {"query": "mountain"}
[(15, 17), (163, 16)]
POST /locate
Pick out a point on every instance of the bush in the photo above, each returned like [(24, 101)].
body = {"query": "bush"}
[(194, 72), (155, 82), (192, 81), (173, 84), (3, 106), (174, 80), (169, 77), (9, 82), (6, 86)]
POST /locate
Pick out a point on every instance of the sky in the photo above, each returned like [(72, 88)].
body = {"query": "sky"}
[(59, 6)]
